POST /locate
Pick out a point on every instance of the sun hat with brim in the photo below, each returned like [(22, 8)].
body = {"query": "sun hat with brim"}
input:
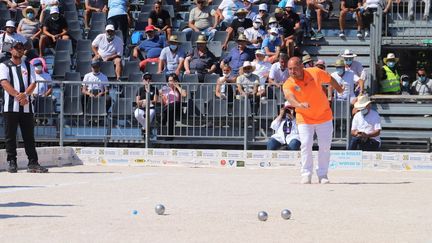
[(28, 9), (362, 102), (10, 23), (320, 62), (242, 37), (260, 52), (173, 39), (201, 39), (263, 7), (390, 56), (241, 11), (205, 2), (248, 64), (306, 58), (272, 20), (278, 10), (339, 63), (348, 53)]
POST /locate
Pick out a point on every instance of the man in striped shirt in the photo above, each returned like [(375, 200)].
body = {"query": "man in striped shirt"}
[(18, 80)]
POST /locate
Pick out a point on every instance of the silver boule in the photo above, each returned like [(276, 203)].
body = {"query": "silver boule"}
[(286, 214), (160, 209), (262, 216)]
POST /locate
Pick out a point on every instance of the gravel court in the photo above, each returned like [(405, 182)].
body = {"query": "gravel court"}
[(95, 204)]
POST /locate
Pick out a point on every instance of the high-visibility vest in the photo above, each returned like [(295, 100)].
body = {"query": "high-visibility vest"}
[(392, 83)]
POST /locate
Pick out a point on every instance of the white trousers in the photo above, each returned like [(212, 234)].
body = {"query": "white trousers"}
[(140, 116), (324, 133)]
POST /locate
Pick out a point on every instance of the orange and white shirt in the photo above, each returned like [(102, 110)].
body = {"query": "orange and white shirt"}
[(310, 90)]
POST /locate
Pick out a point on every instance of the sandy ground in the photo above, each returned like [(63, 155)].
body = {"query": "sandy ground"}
[(95, 204)]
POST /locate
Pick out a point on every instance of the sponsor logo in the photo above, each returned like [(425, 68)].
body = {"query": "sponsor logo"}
[(199, 153), (231, 162), (101, 152), (286, 164), (422, 167), (125, 151), (134, 152), (118, 161), (223, 162), (169, 162), (265, 164), (240, 163), (140, 161), (110, 152)]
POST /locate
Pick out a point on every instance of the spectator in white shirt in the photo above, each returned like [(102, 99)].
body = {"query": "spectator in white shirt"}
[(171, 59), (226, 11), (109, 47), (262, 70), (8, 37), (279, 71), (366, 126), (423, 85), (286, 132), (349, 80), (43, 88), (255, 34), (353, 65), (95, 84)]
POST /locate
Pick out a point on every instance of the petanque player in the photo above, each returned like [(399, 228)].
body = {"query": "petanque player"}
[(303, 90)]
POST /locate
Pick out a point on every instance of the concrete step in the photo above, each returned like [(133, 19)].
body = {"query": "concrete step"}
[(331, 60), (337, 41), (335, 50), (334, 32)]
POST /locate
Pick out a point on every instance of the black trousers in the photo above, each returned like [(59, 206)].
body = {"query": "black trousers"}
[(120, 22), (170, 114), (26, 123)]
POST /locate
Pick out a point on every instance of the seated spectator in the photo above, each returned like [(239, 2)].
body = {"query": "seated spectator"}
[(200, 19), (320, 64), (45, 6), (247, 82), (237, 26), (353, 7), (200, 60), (118, 16), (318, 6), (263, 15), (8, 37), (255, 34), (423, 84), (109, 47), (93, 6), (30, 27), (286, 131), (225, 12), (141, 102), (279, 72), (251, 12), (152, 46), (272, 45), (95, 84), (292, 31), (411, 6), (171, 59), (352, 64), (307, 61), (171, 100), (43, 89), (405, 85), (262, 70), (390, 79), (366, 127), (370, 7), (160, 19), (237, 56), (55, 27), (15, 5), (347, 79), (223, 88), (44, 65), (273, 23)]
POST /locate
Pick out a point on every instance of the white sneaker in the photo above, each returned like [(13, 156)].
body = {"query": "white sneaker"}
[(366, 33), (306, 180), (324, 180)]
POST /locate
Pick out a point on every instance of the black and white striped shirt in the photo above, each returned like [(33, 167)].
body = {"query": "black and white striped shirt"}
[(18, 76)]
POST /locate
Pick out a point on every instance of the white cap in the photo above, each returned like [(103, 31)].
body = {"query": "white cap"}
[(263, 6), (289, 4), (54, 9), (274, 30), (10, 23), (258, 20), (109, 27)]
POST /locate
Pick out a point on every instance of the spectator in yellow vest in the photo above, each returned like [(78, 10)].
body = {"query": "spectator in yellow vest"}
[(390, 80)]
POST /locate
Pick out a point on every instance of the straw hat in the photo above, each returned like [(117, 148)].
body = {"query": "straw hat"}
[(173, 39), (362, 102), (307, 58), (390, 56), (241, 11), (205, 2), (272, 20), (201, 39), (348, 53), (242, 37), (278, 10), (340, 63), (29, 8), (248, 64)]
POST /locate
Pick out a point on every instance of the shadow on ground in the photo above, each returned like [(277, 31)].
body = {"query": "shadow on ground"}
[(8, 216), (4, 187), (372, 183), (29, 204)]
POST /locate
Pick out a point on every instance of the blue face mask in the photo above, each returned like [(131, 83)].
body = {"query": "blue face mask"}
[(30, 15), (340, 71), (173, 47), (272, 38), (391, 64), (348, 62), (422, 79)]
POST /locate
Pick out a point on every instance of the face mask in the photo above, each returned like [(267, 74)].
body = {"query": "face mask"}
[(423, 79), (405, 84), (340, 71), (110, 37), (256, 25), (273, 25), (348, 62), (173, 47), (38, 68), (247, 74), (364, 112), (30, 15), (241, 19), (272, 38), (391, 64), (226, 75)]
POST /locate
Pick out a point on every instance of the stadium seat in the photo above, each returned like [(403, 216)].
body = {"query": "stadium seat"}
[(130, 91), (62, 56), (181, 36), (73, 76), (211, 78), (194, 36), (96, 106), (68, 6), (93, 33), (186, 46), (73, 25), (215, 47), (134, 77), (83, 45), (205, 93), (152, 67), (73, 106), (64, 45), (108, 69), (83, 67), (98, 17), (60, 69), (84, 55), (71, 16), (75, 35), (220, 36), (123, 108), (130, 67), (98, 25), (218, 108), (268, 109), (72, 90), (141, 21), (170, 9), (192, 80), (44, 106), (238, 108), (5, 14)]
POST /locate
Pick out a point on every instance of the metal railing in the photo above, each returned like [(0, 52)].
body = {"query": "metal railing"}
[(375, 46), (69, 116)]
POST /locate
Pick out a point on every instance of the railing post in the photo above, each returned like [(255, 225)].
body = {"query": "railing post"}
[(348, 121), (245, 138), (147, 117), (61, 114)]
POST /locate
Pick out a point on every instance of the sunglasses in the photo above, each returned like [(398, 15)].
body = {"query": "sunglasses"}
[(147, 78), (423, 75)]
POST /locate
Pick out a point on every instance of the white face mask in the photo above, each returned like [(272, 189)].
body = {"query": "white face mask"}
[(247, 74), (226, 75), (256, 25)]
